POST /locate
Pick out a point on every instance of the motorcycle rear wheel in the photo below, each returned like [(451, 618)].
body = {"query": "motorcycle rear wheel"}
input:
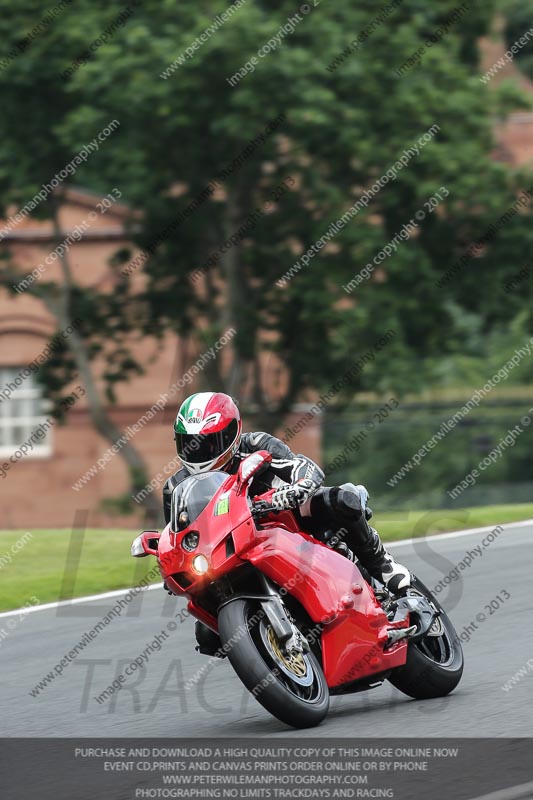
[(435, 664), (292, 689)]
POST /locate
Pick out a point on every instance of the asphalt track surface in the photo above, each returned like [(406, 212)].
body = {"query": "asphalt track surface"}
[(155, 701)]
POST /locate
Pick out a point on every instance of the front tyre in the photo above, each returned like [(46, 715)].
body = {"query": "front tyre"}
[(293, 689), (435, 664)]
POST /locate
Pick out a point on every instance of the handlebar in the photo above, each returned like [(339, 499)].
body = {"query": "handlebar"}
[(260, 508), (261, 505)]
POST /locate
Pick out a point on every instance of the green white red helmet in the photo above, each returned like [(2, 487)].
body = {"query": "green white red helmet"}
[(207, 430)]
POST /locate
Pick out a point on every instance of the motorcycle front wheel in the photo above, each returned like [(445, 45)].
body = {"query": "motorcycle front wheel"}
[(291, 688), (435, 664)]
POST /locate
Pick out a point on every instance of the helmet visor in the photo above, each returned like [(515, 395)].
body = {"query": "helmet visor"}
[(197, 448)]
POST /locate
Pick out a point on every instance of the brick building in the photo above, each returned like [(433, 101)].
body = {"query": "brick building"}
[(36, 485)]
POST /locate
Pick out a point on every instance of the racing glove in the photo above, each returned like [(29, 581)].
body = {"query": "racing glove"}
[(293, 495)]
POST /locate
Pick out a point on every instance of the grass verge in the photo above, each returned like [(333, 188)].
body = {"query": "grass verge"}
[(59, 565), (394, 525)]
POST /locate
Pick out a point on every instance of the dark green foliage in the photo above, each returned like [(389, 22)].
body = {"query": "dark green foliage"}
[(340, 131)]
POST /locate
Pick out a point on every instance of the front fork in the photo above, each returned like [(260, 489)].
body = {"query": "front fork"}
[(289, 636)]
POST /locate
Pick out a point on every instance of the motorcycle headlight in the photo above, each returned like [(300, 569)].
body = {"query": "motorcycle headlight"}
[(190, 541), (200, 564)]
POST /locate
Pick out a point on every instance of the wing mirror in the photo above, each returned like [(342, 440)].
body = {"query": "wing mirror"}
[(252, 465), (146, 544)]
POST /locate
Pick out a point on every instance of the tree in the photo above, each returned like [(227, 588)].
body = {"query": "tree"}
[(184, 128), (196, 157), (29, 159)]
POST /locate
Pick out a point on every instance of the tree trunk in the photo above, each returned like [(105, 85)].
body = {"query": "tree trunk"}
[(58, 301)]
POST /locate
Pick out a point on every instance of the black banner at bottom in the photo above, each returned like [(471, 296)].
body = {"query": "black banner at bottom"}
[(150, 769)]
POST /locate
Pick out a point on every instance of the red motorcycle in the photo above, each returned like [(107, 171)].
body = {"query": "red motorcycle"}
[(297, 620)]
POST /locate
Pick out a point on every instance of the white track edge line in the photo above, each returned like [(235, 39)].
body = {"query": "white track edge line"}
[(458, 534), (118, 592), (76, 600), (525, 790)]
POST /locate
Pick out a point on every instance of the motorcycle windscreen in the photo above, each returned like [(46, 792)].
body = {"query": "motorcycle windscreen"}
[(191, 496)]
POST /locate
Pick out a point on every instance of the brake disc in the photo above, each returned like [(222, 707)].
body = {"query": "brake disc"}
[(295, 665)]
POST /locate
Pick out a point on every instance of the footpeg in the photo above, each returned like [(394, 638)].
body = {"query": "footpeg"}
[(397, 634), (420, 611)]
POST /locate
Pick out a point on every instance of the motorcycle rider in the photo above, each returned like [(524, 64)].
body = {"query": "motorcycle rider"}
[(208, 436)]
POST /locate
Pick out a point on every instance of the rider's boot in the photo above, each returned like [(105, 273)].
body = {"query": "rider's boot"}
[(380, 563), (349, 504)]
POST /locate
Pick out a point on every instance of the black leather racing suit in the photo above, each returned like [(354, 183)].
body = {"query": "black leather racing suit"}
[(330, 508)]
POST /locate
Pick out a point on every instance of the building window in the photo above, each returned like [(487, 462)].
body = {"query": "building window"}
[(22, 410)]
